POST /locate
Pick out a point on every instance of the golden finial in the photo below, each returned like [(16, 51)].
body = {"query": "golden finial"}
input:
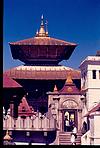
[(55, 89), (69, 78), (42, 30), (7, 137)]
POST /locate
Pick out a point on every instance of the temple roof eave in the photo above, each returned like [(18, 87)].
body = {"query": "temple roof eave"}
[(42, 72), (43, 41), (8, 82)]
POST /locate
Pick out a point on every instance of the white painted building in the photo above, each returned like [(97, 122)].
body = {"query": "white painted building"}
[(90, 86), (90, 79)]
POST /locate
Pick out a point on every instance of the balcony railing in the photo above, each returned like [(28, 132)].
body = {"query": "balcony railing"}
[(35, 124)]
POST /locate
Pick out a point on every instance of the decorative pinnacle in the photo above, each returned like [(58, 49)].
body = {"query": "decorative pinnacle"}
[(7, 137), (55, 89), (42, 16), (42, 32), (69, 78), (42, 20)]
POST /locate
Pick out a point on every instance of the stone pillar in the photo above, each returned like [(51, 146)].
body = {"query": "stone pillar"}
[(12, 107), (79, 112), (60, 121)]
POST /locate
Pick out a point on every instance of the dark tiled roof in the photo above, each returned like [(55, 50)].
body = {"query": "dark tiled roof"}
[(9, 82)]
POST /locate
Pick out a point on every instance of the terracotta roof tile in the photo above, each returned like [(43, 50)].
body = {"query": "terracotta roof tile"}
[(42, 41), (69, 88), (9, 82), (42, 72)]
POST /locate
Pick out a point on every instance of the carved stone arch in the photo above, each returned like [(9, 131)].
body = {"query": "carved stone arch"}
[(70, 104)]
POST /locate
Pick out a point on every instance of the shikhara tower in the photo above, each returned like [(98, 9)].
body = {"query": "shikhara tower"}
[(38, 78)]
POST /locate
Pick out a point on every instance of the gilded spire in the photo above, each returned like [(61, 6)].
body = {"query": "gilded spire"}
[(7, 137), (42, 30), (69, 78), (42, 20)]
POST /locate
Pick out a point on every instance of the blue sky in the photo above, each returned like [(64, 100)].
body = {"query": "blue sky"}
[(71, 20)]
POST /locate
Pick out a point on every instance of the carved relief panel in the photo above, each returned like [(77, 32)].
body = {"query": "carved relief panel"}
[(69, 104)]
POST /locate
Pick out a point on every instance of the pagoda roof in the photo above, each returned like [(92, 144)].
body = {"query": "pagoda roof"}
[(42, 49), (42, 72), (9, 82), (43, 41)]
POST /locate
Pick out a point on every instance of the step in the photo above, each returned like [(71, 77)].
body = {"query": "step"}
[(64, 138), (69, 143), (69, 140), (67, 137)]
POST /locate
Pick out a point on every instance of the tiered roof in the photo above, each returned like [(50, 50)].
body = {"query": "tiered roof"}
[(42, 49), (42, 72)]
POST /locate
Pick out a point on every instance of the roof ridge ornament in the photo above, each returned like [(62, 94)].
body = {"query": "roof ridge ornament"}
[(69, 78), (7, 136), (42, 32)]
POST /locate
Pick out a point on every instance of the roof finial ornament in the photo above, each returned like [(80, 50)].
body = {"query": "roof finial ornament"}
[(42, 30), (37, 33), (46, 27), (7, 137), (42, 20), (69, 78), (55, 88)]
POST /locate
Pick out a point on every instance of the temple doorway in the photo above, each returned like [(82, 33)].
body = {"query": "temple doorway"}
[(69, 119)]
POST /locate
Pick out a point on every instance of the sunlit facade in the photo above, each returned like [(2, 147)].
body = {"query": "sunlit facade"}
[(42, 99), (90, 84)]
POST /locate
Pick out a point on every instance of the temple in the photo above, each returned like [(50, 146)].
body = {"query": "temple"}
[(41, 94)]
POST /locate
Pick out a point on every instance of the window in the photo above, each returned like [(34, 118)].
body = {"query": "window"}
[(94, 74), (99, 74), (27, 133)]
